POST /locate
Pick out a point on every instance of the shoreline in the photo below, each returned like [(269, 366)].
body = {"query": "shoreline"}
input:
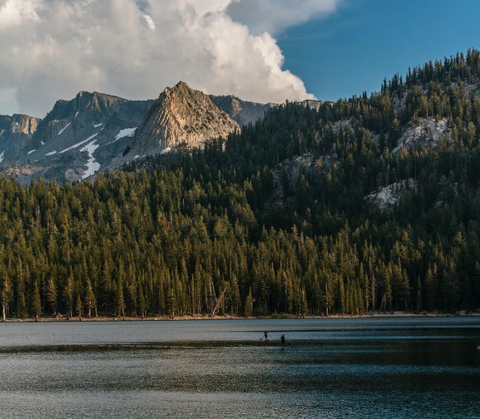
[(376, 315)]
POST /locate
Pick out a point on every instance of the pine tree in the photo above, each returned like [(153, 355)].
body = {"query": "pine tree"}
[(36, 304), (51, 293), (6, 291), (79, 307), (119, 300), (90, 300), (248, 306)]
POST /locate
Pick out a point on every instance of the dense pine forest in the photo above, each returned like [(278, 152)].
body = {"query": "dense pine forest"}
[(274, 220)]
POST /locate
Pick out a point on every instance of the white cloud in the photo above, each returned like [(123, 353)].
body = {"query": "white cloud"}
[(274, 16), (52, 49), (15, 12), (8, 101), (150, 23)]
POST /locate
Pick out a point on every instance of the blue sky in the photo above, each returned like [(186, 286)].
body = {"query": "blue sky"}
[(353, 49)]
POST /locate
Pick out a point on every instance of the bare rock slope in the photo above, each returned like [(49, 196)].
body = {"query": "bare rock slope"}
[(242, 112), (182, 115)]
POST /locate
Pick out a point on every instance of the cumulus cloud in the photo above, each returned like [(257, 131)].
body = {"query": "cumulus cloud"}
[(276, 15), (52, 49)]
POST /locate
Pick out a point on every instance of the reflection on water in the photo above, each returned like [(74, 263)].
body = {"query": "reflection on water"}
[(420, 368)]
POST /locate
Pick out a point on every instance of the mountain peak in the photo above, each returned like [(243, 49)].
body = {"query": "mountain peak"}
[(95, 101), (180, 85), (183, 115), (84, 94), (181, 88)]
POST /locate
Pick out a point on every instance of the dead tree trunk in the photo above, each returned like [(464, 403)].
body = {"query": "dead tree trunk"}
[(219, 301)]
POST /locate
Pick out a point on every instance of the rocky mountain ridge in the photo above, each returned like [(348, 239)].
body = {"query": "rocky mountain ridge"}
[(96, 131), (242, 112)]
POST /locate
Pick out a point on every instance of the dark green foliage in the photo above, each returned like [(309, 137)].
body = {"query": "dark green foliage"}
[(228, 229)]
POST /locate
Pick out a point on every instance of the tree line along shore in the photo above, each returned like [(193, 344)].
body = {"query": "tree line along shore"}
[(238, 229)]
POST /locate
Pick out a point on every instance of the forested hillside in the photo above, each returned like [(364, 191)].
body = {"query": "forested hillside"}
[(284, 217)]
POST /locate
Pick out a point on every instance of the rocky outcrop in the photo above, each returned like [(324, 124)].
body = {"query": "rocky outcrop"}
[(24, 124), (289, 172), (314, 104), (182, 115), (426, 134), (16, 133), (386, 198)]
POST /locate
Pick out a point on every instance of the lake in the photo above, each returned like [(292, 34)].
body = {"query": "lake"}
[(328, 368)]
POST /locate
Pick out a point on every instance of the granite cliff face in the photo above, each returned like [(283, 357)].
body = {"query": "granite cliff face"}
[(182, 115), (242, 112), (16, 133)]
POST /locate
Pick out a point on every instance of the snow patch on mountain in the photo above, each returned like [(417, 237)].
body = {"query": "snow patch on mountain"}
[(79, 144), (64, 128), (92, 165), (127, 132)]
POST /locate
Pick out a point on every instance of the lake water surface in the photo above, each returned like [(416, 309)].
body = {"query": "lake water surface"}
[(328, 368)]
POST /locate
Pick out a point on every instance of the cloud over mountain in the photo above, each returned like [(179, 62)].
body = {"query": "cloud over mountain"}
[(54, 48)]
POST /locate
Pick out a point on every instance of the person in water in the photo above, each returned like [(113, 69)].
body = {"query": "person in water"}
[(265, 335), (282, 339)]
